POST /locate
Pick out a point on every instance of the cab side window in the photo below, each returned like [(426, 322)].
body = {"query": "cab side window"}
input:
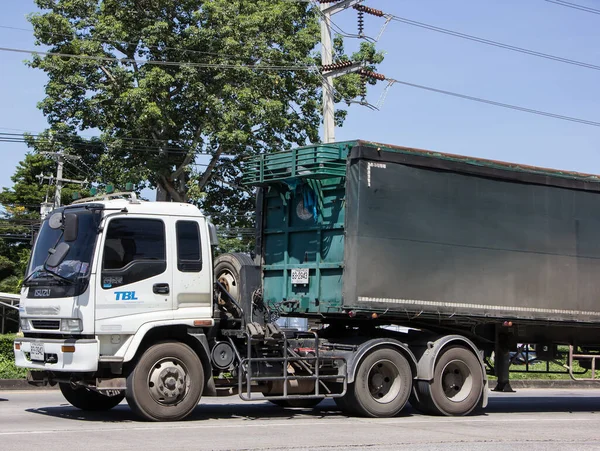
[(134, 250), (189, 251)]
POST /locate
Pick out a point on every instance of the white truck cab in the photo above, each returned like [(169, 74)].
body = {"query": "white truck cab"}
[(103, 273)]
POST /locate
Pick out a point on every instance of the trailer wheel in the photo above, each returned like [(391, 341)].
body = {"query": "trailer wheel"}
[(89, 400), (167, 382), (382, 385), (302, 403), (457, 385)]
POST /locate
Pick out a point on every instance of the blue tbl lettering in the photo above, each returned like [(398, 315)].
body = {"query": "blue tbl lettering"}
[(125, 296)]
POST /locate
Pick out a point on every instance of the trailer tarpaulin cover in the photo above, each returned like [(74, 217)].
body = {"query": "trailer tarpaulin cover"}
[(424, 238)]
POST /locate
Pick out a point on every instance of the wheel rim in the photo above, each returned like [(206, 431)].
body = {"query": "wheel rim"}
[(168, 381), (457, 380), (228, 281), (384, 381)]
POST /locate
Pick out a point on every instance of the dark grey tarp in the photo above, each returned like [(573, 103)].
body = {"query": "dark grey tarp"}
[(452, 241)]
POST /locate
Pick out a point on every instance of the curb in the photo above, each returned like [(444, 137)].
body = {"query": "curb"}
[(21, 384), (551, 383)]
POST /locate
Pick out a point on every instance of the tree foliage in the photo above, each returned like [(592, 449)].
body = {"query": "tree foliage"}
[(170, 84)]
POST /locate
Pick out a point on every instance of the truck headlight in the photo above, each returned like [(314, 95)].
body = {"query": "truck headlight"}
[(24, 323), (70, 325)]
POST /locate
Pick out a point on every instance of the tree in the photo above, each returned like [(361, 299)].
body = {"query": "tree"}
[(230, 77), (174, 84)]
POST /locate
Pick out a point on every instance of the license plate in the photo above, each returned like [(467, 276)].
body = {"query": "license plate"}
[(37, 351), (300, 276)]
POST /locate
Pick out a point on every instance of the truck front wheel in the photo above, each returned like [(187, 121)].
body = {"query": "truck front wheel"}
[(86, 399), (457, 384), (381, 387), (166, 383)]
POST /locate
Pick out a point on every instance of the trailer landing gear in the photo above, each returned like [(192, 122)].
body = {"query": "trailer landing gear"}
[(381, 387)]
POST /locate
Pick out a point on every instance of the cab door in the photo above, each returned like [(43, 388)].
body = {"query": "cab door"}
[(192, 269), (135, 281)]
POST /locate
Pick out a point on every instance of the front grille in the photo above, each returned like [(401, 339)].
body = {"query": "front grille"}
[(45, 324)]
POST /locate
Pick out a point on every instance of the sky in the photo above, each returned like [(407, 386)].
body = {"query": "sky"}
[(414, 117)]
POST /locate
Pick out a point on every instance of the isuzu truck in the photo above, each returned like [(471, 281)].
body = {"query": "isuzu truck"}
[(420, 273)]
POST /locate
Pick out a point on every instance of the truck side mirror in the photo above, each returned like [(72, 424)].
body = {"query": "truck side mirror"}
[(57, 255), (212, 233), (71, 223)]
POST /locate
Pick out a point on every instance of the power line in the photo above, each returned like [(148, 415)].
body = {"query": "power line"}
[(575, 6), (500, 104), (112, 43), (281, 68), (77, 142), (495, 43)]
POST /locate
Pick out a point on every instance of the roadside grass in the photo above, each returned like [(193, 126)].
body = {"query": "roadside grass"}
[(559, 371), (8, 370)]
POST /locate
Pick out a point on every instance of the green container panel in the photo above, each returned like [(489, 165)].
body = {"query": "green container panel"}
[(303, 227)]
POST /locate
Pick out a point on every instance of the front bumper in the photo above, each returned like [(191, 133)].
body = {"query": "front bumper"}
[(84, 358)]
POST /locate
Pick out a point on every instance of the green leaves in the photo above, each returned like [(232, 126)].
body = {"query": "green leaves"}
[(209, 96)]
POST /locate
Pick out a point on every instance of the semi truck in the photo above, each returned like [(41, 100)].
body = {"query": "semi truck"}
[(419, 272)]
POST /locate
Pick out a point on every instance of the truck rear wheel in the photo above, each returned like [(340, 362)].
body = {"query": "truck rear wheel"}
[(381, 387), (167, 382), (89, 400), (457, 385)]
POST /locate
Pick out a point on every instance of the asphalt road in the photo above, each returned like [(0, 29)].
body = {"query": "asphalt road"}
[(527, 420)]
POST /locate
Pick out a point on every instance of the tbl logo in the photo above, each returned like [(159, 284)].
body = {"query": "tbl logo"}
[(125, 296)]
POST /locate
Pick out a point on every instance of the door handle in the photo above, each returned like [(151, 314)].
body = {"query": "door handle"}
[(161, 288)]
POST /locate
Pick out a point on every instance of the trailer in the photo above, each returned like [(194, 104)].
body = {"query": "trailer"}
[(423, 272)]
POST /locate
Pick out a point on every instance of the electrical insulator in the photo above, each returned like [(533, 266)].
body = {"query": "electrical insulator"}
[(371, 74), (366, 9), (363, 87), (361, 23), (335, 66)]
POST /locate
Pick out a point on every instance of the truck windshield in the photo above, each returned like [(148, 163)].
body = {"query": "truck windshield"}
[(77, 263)]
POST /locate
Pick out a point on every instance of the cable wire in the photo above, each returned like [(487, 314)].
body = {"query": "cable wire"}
[(500, 104), (494, 43), (575, 6), (266, 67)]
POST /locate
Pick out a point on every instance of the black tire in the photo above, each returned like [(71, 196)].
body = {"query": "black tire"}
[(418, 405), (457, 386), (345, 404), (89, 400), (227, 271), (166, 383), (382, 385), (299, 403)]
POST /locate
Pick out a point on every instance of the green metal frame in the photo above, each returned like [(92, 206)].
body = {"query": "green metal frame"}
[(310, 162)]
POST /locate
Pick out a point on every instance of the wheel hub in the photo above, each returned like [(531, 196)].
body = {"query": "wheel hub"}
[(168, 382), (457, 380), (384, 381)]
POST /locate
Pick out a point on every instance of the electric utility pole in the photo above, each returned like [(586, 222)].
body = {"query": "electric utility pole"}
[(331, 70), (60, 158)]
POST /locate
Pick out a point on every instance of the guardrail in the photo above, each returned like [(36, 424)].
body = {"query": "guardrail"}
[(8, 302)]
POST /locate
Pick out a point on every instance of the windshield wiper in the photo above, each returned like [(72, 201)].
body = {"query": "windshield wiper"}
[(46, 271)]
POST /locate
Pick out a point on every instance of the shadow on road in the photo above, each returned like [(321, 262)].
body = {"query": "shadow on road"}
[(327, 409), (3, 399), (514, 403), (236, 409)]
